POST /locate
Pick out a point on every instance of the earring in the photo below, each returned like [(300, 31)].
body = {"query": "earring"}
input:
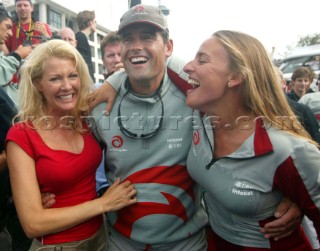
[(229, 84)]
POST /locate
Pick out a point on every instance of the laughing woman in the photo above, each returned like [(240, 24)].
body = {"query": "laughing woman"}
[(52, 150), (249, 150)]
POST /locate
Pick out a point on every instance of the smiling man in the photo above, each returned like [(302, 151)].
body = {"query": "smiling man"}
[(147, 146)]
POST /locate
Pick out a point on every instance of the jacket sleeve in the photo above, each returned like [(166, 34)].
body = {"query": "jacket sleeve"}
[(8, 67), (311, 124), (8, 111), (298, 178)]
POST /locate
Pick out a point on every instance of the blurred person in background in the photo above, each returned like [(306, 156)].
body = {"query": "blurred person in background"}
[(305, 115), (87, 24), (26, 30), (68, 35), (312, 100), (300, 83), (10, 63), (111, 53)]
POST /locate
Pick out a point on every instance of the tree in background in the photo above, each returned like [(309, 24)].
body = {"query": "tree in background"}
[(309, 40)]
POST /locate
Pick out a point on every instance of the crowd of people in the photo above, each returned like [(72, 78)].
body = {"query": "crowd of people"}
[(164, 155)]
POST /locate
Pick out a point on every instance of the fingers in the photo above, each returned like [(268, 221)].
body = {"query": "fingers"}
[(119, 195), (277, 236), (290, 219), (47, 199), (125, 186), (109, 107), (283, 207), (49, 204), (40, 27), (117, 182), (119, 67), (132, 200), (133, 194), (24, 51)]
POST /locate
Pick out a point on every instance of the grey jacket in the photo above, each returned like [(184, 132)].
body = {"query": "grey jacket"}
[(8, 67)]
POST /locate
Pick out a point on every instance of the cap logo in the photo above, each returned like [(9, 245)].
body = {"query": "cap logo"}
[(143, 14), (139, 8)]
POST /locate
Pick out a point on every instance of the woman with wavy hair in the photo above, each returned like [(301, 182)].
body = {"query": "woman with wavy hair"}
[(52, 150), (249, 150)]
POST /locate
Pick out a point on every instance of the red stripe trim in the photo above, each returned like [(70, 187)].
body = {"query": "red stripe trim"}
[(178, 81), (295, 242), (262, 143)]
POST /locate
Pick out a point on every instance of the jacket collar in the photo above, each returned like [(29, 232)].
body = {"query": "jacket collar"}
[(258, 144)]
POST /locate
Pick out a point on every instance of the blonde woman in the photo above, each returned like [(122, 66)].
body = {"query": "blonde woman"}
[(52, 150)]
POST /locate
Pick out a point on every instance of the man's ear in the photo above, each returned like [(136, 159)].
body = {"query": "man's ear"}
[(169, 46)]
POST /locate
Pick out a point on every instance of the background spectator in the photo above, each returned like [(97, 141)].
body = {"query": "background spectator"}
[(68, 35), (300, 82), (26, 29), (111, 53), (87, 24)]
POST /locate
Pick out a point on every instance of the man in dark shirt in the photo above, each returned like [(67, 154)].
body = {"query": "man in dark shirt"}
[(87, 25)]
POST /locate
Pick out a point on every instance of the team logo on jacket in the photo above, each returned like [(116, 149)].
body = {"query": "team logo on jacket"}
[(196, 137), (117, 141), (162, 190)]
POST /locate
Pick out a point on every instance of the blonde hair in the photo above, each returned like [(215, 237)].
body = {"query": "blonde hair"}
[(262, 94), (32, 101)]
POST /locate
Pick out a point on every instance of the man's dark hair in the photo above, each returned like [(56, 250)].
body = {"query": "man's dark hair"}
[(110, 39), (84, 17), (4, 14)]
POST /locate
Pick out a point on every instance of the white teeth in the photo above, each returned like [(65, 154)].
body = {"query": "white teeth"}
[(65, 97), (193, 82), (138, 59)]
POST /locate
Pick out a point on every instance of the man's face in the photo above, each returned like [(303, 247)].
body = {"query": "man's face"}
[(300, 85), (144, 53), (112, 56), (68, 36), (24, 10), (93, 25), (5, 30)]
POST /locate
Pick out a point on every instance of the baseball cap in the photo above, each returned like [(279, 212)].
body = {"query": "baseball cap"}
[(141, 13), (21, 0)]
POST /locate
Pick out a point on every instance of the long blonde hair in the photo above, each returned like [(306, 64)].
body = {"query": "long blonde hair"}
[(262, 95), (32, 101)]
